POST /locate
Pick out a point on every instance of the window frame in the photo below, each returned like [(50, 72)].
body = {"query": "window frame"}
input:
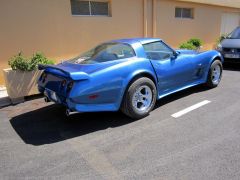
[(171, 49), (182, 8), (90, 9)]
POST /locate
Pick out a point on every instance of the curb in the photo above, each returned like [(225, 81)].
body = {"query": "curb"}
[(4, 99)]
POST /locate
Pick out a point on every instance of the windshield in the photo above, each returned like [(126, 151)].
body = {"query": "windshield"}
[(235, 34), (105, 52)]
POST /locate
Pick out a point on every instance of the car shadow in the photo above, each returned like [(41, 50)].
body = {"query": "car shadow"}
[(49, 125)]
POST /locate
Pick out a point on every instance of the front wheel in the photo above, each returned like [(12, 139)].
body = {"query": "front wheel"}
[(215, 74), (140, 98)]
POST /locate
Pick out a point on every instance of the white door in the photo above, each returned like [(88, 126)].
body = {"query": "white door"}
[(229, 22)]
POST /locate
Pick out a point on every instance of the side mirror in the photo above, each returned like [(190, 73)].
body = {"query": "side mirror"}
[(175, 55)]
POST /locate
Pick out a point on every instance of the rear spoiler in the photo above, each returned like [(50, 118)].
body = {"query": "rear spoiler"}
[(76, 75)]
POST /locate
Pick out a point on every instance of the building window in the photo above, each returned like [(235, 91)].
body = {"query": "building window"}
[(184, 13), (90, 8)]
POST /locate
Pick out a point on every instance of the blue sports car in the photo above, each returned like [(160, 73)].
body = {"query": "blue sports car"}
[(127, 74)]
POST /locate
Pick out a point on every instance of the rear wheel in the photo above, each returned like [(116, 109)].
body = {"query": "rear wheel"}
[(140, 98), (215, 74)]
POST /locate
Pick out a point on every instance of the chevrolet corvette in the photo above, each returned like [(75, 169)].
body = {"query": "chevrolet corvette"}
[(127, 75)]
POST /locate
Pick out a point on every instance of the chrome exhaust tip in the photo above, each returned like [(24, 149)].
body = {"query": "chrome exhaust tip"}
[(69, 112), (46, 99)]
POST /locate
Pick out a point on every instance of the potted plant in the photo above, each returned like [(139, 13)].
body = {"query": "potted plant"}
[(21, 78)]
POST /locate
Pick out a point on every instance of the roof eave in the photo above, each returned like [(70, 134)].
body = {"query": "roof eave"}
[(223, 3)]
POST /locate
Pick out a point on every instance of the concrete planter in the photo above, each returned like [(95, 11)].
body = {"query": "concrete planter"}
[(20, 84)]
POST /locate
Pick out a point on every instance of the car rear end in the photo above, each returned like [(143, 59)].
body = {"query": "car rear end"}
[(57, 82), (55, 87)]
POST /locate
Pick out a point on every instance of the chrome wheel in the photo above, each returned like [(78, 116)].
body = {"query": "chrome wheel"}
[(216, 74), (142, 98)]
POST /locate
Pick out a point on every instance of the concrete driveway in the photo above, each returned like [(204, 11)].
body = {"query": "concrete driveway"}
[(202, 142)]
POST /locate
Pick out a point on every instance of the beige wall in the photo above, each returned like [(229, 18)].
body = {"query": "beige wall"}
[(48, 26), (205, 25)]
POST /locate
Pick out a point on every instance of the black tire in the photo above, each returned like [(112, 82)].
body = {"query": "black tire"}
[(127, 103), (210, 80)]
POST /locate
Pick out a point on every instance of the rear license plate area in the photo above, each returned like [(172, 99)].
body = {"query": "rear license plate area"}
[(51, 95)]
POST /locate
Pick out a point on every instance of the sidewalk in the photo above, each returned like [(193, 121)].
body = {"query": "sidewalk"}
[(4, 99)]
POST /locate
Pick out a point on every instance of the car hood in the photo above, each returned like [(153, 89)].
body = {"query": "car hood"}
[(231, 43)]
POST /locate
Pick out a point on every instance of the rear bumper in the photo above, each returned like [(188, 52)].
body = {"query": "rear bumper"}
[(72, 106), (91, 107), (53, 96)]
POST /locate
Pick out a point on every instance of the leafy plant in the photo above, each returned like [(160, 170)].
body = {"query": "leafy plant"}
[(192, 44), (195, 42), (39, 58), (19, 62), (222, 37), (186, 45)]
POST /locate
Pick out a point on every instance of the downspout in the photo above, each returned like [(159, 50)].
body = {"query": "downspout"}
[(154, 18), (145, 23)]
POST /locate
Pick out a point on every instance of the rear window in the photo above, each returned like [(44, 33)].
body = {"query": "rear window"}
[(104, 53)]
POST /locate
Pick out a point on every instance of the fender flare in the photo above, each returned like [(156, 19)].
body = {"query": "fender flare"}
[(136, 75)]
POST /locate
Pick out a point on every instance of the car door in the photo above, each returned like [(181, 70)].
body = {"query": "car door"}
[(173, 70)]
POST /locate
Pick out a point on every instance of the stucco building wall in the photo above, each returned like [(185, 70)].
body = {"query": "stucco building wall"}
[(206, 23), (48, 26)]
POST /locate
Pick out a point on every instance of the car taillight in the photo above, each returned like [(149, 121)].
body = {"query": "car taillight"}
[(63, 83), (69, 86), (43, 77)]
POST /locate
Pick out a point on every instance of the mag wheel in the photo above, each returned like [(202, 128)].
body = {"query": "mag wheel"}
[(215, 74), (139, 99)]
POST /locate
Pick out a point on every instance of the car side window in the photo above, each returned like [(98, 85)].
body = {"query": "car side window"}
[(104, 53), (122, 51), (157, 51)]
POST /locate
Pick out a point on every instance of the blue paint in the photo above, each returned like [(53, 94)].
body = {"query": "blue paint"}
[(109, 80)]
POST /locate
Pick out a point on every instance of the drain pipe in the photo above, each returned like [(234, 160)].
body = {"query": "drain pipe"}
[(145, 21), (154, 18)]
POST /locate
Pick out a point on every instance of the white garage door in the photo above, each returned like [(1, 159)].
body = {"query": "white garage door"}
[(229, 22)]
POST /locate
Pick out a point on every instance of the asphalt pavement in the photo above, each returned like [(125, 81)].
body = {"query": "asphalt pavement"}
[(193, 134)]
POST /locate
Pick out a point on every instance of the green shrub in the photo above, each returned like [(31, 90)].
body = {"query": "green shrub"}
[(39, 58), (195, 42), (192, 44), (186, 45), (222, 37), (19, 62)]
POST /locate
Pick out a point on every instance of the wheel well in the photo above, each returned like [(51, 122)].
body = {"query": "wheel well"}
[(137, 77), (140, 76), (217, 58)]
